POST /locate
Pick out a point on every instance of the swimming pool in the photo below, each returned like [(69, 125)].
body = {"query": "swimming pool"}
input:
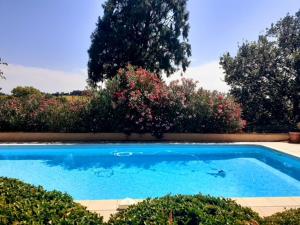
[(116, 171)]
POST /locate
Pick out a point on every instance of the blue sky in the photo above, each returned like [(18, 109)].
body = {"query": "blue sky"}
[(50, 38)]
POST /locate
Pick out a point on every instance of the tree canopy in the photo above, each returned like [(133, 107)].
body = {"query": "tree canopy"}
[(152, 34), (264, 76), (287, 33)]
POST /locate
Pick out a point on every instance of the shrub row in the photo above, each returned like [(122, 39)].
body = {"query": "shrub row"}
[(21, 203), (133, 101)]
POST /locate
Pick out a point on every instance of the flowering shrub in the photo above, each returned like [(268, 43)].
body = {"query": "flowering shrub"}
[(226, 114), (41, 113), (135, 100), (141, 102), (140, 99), (198, 110)]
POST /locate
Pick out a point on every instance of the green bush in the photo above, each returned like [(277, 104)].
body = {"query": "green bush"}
[(188, 210), (101, 116), (289, 217), (25, 91), (22, 203)]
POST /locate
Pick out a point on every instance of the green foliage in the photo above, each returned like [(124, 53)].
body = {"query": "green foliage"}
[(22, 203), (141, 99), (201, 111), (25, 91), (187, 210), (288, 217), (133, 101), (287, 34), (265, 77), (101, 116), (152, 34), (42, 113), (138, 101)]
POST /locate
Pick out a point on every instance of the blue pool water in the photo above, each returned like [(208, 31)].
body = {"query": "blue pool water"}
[(115, 171)]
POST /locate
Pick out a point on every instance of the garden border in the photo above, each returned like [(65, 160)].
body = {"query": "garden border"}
[(115, 137)]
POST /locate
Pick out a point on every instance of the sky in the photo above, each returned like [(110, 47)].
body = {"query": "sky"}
[(45, 42)]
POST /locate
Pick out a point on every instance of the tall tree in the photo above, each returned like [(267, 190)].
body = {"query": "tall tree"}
[(152, 34), (264, 76), (287, 33)]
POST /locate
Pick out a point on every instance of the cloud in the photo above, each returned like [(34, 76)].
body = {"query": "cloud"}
[(210, 76), (46, 80)]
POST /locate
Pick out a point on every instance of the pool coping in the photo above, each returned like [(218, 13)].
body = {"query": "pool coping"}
[(284, 147), (265, 206)]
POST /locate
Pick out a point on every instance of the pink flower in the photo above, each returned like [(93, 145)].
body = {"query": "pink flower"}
[(132, 85), (220, 97), (244, 123)]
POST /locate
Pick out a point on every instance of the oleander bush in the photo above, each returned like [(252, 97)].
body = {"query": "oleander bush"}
[(189, 210), (22, 203), (202, 111), (133, 101), (42, 113), (288, 217), (141, 99), (138, 101)]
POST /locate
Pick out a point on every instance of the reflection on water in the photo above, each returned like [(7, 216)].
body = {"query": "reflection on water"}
[(79, 161)]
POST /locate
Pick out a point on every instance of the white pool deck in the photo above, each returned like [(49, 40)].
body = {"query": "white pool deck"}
[(264, 206)]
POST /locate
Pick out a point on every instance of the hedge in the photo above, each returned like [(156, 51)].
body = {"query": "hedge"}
[(134, 101), (21, 203)]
